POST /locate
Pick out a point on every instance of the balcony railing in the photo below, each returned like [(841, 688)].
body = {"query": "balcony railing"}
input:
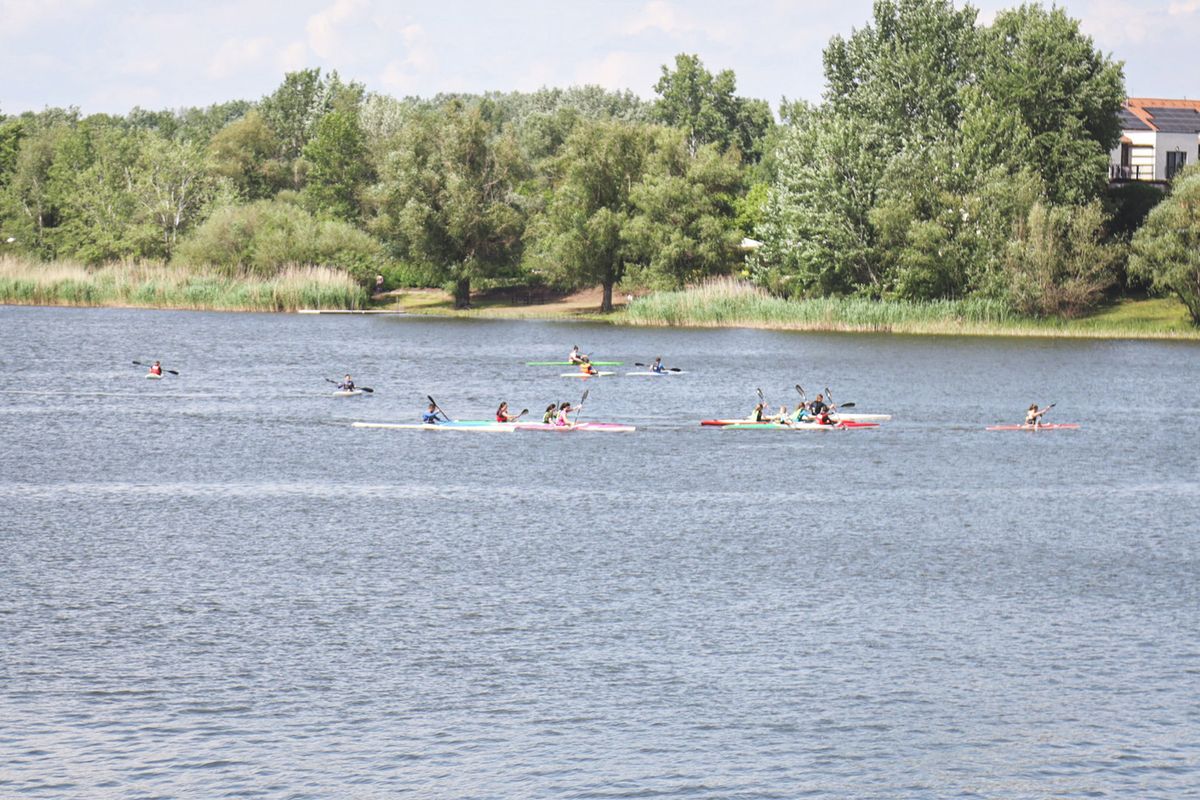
[(1140, 172)]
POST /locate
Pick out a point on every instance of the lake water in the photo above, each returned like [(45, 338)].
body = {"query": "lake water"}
[(213, 586)]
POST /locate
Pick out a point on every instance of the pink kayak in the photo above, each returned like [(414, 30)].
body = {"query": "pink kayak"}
[(1061, 426), (597, 427)]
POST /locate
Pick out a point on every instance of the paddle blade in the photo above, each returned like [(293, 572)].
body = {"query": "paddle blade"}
[(638, 364), (173, 371), (367, 389), (800, 389), (760, 395), (674, 369), (140, 364), (585, 396), (847, 405)]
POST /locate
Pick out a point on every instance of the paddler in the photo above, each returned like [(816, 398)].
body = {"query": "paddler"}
[(432, 415), (1034, 417), (156, 369), (586, 367), (818, 407), (564, 415), (503, 415), (576, 357), (347, 385), (757, 414), (657, 366), (551, 413)]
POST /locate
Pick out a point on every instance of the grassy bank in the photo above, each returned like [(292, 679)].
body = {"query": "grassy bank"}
[(729, 303), (151, 285)]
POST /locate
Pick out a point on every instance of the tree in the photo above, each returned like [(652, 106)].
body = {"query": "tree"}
[(245, 153), (171, 186), (1067, 93), (684, 225), (1166, 251), (446, 196), (580, 238), (338, 168), (295, 108), (705, 107)]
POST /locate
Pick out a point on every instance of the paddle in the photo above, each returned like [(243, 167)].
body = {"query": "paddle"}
[(173, 372), (366, 389), (579, 408), (438, 408), (834, 405), (668, 369)]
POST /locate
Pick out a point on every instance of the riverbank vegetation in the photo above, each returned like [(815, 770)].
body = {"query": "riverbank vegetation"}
[(158, 285), (954, 170)]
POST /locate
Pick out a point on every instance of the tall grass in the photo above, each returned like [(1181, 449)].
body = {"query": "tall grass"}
[(156, 285), (729, 302)]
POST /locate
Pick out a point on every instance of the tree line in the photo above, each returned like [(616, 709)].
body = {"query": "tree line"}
[(947, 159)]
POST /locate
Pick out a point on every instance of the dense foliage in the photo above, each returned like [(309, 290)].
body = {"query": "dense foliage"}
[(1166, 250), (947, 160)]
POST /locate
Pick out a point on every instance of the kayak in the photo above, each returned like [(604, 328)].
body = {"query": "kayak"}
[(474, 426), (852, 419), (348, 392), (677, 372), (572, 364), (1061, 426), (797, 426), (150, 376), (594, 427), (586, 375)]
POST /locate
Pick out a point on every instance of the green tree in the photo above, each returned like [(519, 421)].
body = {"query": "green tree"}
[(684, 225), (707, 109), (1166, 250), (446, 196), (338, 167), (1067, 93), (580, 239), (245, 153), (171, 186)]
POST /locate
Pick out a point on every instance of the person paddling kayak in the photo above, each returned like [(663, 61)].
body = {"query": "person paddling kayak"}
[(757, 414), (587, 369), (1034, 416), (347, 385), (564, 415), (551, 413), (433, 415), (657, 366), (576, 357), (156, 368), (503, 415)]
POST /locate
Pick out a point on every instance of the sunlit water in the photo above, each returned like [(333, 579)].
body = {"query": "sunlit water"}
[(212, 585)]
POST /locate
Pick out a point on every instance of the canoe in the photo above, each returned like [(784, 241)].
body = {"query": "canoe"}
[(471, 426), (649, 372), (798, 426), (586, 375), (348, 392), (593, 427), (572, 364), (150, 376), (835, 418), (1061, 426)]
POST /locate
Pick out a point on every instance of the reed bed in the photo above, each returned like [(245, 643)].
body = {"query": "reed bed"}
[(727, 302), (156, 285)]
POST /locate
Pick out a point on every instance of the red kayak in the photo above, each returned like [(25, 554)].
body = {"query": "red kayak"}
[(1061, 426)]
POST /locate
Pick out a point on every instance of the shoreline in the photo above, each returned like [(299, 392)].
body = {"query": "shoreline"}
[(1058, 329)]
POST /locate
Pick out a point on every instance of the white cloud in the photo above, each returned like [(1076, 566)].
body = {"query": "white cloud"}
[(404, 74), (293, 57), (18, 16), (663, 17), (621, 69), (1183, 7), (237, 54), (325, 36), (1114, 22)]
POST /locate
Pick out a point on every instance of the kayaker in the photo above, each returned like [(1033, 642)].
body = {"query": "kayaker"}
[(818, 407), (347, 385), (576, 357), (1033, 416), (564, 415), (432, 415), (801, 413), (502, 414), (156, 369), (657, 366), (757, 414), (551, 413), (586, 368)]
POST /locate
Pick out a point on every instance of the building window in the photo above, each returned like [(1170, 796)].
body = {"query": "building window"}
[(1176, 161)]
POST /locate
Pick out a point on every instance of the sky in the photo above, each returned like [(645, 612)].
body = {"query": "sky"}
[(111, 56)]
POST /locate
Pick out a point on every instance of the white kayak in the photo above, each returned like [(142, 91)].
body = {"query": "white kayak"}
[(150, 376), (477, 427), (651, 372), (586, 375), (593, 427), (348, 392), (860, 417)]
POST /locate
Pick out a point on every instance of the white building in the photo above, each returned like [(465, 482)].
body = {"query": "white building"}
[(1158, 139)]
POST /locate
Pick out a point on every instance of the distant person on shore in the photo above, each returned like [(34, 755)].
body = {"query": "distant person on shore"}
[(378, 284)]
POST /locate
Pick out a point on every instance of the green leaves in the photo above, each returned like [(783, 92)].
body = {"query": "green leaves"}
[(1166, 250)]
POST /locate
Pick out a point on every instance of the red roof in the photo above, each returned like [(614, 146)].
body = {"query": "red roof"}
[(1138, 107)]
